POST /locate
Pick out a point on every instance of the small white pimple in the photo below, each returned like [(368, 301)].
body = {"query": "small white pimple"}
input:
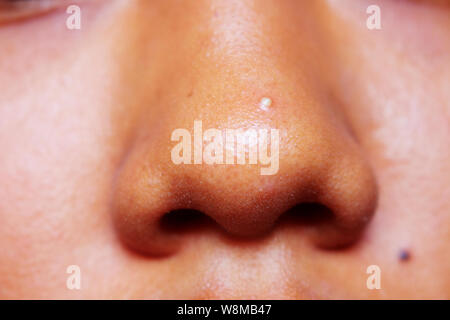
[(265, 103)]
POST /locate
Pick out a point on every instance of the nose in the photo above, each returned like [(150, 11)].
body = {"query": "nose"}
[(180, 157)]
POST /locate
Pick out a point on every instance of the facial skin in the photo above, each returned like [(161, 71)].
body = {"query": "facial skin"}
[(86, 176)]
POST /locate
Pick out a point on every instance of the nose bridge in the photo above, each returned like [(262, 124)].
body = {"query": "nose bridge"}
[(228, 53), (229, 45), (241, 34)]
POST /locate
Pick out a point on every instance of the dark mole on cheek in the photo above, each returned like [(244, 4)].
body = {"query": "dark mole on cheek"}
[(404, 255)]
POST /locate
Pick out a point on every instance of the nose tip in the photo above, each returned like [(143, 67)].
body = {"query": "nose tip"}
[(326, 168)]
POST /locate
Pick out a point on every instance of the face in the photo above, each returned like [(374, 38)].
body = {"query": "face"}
[(87, 176)]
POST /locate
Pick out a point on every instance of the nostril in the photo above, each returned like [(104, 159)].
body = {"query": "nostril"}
[(315, 219), (322, 224), (308, 214), (184, 220)]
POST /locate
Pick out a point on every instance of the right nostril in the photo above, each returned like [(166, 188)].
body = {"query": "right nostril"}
[(184, 220), (322, 225), (309, 213)]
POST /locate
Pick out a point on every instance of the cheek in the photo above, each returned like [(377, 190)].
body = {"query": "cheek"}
[(414, 28), (395, 91), (58, 151)]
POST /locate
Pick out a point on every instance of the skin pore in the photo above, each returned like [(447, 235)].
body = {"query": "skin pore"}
[(86, 176)]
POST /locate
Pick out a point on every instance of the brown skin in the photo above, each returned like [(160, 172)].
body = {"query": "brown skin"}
[(364, 119)]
